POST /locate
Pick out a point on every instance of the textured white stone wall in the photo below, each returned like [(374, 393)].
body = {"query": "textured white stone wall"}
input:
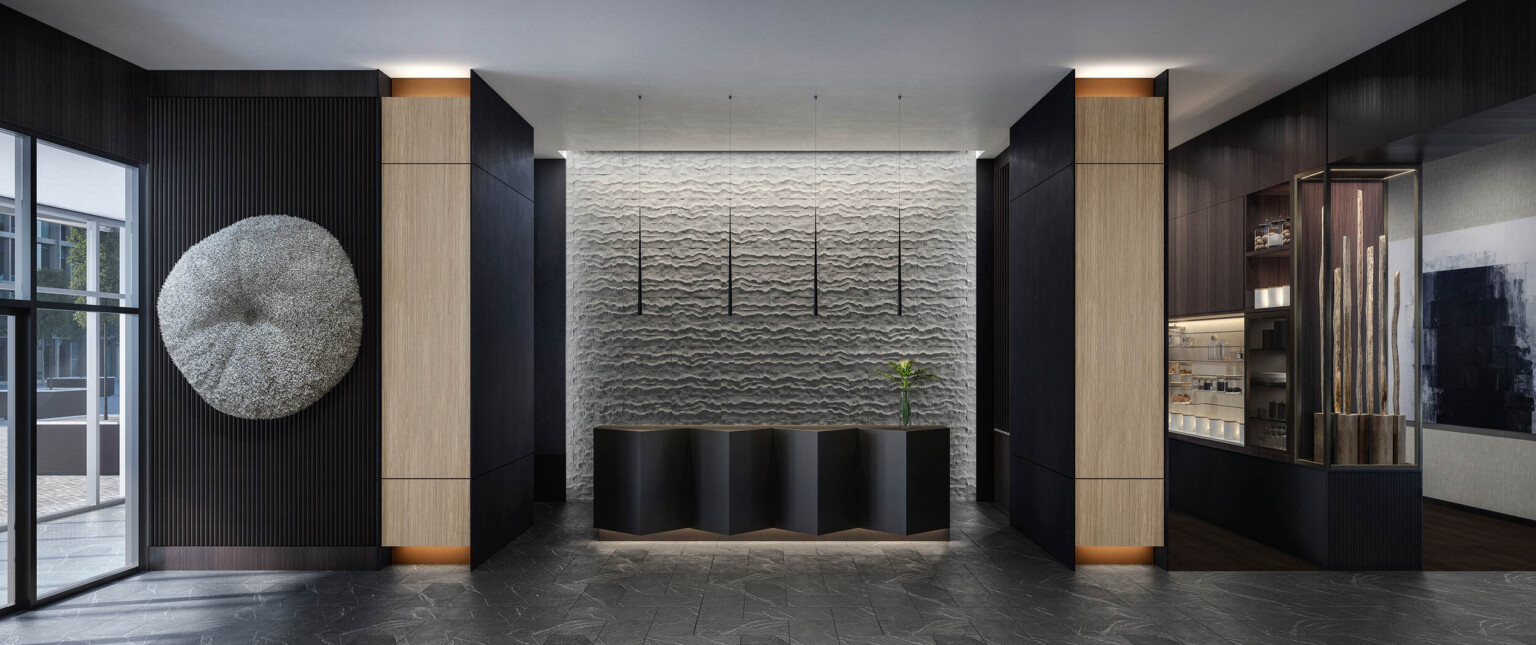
[(716, 287)]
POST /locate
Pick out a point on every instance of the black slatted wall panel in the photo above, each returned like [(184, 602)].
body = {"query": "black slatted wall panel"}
[(310, 479)]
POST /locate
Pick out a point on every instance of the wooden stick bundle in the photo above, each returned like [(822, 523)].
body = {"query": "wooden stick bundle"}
[(1338, 328), (1368, 404), (1397, 367), (1381, 319), (1356, 355), (1346, 342)]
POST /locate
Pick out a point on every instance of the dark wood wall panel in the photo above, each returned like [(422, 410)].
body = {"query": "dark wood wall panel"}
[(66, 89), (1043, 141), (1043, 506), (501, 250), (502, 266), (1261, 148), (1227, 251), (1477, 56), (1041, 360), (310, 479), (501, 141), (549, 330), (1041, 322), (984, 320)]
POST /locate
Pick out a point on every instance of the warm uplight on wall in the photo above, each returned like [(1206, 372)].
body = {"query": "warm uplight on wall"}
[(1114, 555), (429, 555), (1114, 87), (428, 87)]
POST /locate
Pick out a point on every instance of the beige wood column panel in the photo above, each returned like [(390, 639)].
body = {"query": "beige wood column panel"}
[(1119, 318), (426, 306), (426, 130), (1119, 512), (426, 512), (1120, 130)]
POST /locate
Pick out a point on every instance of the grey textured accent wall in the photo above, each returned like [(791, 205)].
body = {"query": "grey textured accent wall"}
[(1490, 185), (763, 287)]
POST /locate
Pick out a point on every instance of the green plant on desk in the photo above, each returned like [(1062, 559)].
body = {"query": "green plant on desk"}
[(906, 373)]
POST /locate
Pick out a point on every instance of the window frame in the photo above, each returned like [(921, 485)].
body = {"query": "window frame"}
[(26, 307)]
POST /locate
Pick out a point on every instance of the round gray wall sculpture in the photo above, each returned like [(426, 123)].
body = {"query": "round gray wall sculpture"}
[(263, 317)]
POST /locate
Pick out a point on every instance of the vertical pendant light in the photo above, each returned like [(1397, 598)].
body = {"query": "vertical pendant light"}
[(730, 207), (900, 202), (816, 208), (639, 214)]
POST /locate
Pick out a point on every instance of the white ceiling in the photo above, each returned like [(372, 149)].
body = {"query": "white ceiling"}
[(967, 68)]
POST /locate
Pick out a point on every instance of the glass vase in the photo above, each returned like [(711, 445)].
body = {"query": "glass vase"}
[(906, 410)]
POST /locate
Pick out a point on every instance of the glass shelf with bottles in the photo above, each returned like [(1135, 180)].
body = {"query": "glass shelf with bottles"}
[(1205, 378)]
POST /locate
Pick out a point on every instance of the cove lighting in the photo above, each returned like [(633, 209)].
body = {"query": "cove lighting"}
[(425, 70)]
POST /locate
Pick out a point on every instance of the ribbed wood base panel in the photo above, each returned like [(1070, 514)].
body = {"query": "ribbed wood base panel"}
[(268, 558)]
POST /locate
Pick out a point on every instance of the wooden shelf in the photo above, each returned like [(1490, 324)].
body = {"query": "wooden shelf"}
[(1277, 252), (1270, 310)]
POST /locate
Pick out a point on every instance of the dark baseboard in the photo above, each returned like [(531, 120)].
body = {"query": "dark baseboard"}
[(268, 558), (549, 477), (1514, 519)]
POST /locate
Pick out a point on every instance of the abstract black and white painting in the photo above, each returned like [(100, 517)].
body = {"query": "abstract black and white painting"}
[(1478, 308)]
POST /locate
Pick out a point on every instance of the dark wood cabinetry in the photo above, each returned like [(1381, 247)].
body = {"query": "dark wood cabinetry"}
[(1205, 261)]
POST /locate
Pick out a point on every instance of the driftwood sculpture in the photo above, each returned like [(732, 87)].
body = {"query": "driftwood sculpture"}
[(1338, 328), (1346, 342), (1400, 428), (1368, 403), (1358, 353), (1384, 304)]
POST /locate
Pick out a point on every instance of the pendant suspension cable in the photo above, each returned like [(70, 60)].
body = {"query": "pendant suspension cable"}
[(730, 207)]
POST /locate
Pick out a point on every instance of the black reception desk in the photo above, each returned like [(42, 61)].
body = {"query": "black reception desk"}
[(771, 482)]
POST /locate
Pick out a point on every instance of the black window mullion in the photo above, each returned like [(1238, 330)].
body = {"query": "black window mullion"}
[(23, 458)]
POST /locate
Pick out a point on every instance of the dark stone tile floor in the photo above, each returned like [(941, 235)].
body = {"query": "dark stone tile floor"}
[(556, 586)]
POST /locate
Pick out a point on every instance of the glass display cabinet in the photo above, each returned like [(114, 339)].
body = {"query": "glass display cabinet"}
[(1206, 379), (1356, 261)]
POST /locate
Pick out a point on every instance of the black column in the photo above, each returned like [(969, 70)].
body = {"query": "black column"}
[(549, 331)]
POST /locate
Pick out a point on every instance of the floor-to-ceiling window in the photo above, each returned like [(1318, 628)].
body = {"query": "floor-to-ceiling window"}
[(68, 267)]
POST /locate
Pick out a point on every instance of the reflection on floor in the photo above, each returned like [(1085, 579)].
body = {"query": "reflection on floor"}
[(74, 549), (556, 586), (1456, 540), (1196, 545)]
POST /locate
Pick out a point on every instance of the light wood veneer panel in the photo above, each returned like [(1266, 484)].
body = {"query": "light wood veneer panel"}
[(1120, 130), (1119, 512), (426, 320), (1119, 320), (426, 130), (426, 512)]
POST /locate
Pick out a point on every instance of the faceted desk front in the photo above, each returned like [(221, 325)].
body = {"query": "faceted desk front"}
[(771, 482)]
